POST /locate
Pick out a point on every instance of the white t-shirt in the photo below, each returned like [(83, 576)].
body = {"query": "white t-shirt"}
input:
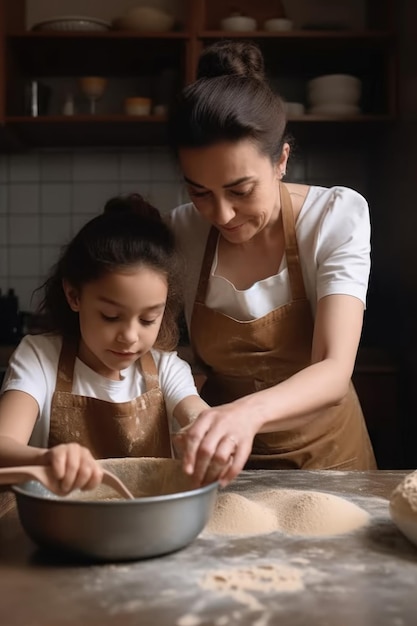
[(333, 236), (33, 369)]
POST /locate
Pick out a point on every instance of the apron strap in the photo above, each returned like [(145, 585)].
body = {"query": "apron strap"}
[(291, 247), (149, 371), (291, 252), (206, 265), (65, 373)]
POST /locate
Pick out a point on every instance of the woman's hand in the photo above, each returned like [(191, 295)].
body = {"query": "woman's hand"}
[(217, 444), (73, 467)]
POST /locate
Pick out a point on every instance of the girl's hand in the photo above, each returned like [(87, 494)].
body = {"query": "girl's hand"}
[(74, 467), (217, 444)]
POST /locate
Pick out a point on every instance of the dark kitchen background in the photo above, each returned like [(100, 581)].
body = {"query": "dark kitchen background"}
[(48, 191)]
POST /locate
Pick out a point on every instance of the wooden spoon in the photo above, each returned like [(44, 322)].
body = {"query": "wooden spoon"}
[(43, 474)]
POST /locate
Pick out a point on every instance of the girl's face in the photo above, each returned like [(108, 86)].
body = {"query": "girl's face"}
[(120, 315), (234, 187)]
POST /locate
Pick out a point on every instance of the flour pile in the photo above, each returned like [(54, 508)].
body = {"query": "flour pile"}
[(294, 512)]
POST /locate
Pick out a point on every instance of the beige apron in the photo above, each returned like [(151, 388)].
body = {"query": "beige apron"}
[(135, 428), (244, 357)]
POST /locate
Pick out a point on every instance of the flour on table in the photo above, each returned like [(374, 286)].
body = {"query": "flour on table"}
[(262, 578), (291, 511)]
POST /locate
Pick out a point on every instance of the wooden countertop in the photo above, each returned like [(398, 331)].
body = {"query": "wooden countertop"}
[(364, 578)]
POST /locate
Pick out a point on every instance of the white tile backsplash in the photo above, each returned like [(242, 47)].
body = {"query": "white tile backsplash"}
[(56, 166), (165, 196), (134, 186), (24, 229), (4, 235), (56, 198), (135, 166), (49, 256), (55, 229), (3, 168), (90, 197), (46, 197), (163, 166), (4, 194), (24, 288), (24, 198), (4, 261), (96, 166), (24, 261), (24, 167)]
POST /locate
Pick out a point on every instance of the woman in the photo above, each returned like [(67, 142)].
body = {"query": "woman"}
[(276, 284)]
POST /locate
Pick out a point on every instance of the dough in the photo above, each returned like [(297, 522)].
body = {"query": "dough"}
[(403, 506)]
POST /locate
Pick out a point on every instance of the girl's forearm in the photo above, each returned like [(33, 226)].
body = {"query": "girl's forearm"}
[(13, 453), (298, 399)]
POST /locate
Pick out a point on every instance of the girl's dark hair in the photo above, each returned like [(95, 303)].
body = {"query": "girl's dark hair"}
[(130, 232), (229, 101)]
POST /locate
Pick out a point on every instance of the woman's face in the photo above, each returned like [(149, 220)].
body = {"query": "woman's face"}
[(234, 187)]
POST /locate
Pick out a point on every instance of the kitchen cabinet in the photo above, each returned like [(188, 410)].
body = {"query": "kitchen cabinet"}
[(292, 57)]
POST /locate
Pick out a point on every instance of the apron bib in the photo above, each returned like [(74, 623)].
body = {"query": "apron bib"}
[(135, 428), (245, 357)]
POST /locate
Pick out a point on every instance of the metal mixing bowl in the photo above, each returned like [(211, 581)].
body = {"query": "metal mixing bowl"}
[(91, 525)]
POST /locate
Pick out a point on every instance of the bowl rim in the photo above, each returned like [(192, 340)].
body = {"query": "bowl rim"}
[(180, 495), (72, 19)]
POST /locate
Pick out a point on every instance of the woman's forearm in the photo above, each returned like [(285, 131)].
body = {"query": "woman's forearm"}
[(13, 453), (297, 400)]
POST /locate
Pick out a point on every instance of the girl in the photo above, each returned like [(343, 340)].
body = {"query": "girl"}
[(101, 382)]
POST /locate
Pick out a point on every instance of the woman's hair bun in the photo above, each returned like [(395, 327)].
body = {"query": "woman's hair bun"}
[(235, 58), (132, 203)]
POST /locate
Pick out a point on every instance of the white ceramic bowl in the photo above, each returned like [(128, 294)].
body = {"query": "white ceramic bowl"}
[(145, 19), (335, 109), (334, 81), (238, 23), (334, 88), (278, 24), (343, 95), (294, 108)]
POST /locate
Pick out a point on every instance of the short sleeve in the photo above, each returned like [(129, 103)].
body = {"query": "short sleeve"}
[(175, 379), (32, 368), (343, 245)]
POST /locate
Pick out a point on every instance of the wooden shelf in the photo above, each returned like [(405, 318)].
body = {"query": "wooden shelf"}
[(55, 57), (343, 35), (123, 130), (87, 130), (111, 35)]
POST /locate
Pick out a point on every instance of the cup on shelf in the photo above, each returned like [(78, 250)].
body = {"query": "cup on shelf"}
[(93, 87), (137, 105), (294, 108)]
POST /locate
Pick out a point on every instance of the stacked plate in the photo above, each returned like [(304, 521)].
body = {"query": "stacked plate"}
[(72, 23), (334, 94)]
